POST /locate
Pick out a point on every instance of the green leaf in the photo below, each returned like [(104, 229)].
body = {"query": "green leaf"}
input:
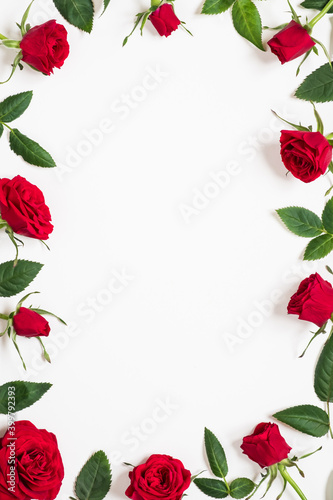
[(319, 247), (30, 150), (247, 21), (316, 5), (323, 382), (24, 393), (301, 221), (305, 418), (94, 480), (14, 106), (212, 487), (328, 216), (215, 454), (216, 6), (241, 487), (318, 86), (106, 4), (1, 129), (80, 13), (14, 280)]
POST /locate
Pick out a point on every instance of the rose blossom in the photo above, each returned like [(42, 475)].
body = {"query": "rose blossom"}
[(164, 19), (265, 446), (161, 477), (291, 42), (305, 154), (45, 46), (38, 467), (313, 300), (28, 323), (22, 206)]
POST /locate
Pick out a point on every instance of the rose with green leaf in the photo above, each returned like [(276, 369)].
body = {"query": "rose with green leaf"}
[(42, 47), (162, 16), (28, 322)]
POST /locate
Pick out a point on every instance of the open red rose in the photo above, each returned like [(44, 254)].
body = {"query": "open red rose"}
[(22, 206), (30, 464), (265, 446), (164, 19), (305, 154), (291, 42), (28, 323), (45, 46), (313, 300), (161, 477)]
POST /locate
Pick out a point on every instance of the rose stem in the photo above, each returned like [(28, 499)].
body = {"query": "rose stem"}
[(329, 418), (3, 316), (321, 14), (290, 480)]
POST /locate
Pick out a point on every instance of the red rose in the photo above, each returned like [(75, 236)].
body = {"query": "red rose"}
[(22, 206), (30, 464), (291, 42), (313, 300), (45, 47), (161, 477), (265, 446), (28, 323), (305, 154), (164, 19)]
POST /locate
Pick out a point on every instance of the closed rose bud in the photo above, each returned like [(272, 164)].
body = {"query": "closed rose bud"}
[(305, 154), (164, 19), (266, 446), (291, 42), (23, 207), (28, 323), (313, 300), (45, 47)]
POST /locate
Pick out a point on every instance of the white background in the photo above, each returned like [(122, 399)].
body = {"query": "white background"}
[(145, 369)]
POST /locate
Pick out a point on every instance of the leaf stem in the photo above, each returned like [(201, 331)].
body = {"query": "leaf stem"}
[(2, 37), (4, 316), (289, 479), (321, 14)]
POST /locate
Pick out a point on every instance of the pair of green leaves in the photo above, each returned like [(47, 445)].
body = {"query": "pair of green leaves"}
[(79, 13), (15, 278), (216, 488), (308, 418), (11, 109), (307, 224), (245, 16), (94, 479)]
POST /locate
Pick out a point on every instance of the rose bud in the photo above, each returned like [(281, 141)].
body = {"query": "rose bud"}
[(28, 323), (291, 42), (161, 477), (45, 47), (39, 470), (22, 206), (266, 446), (305, 154), (164, 19), (313, 300)]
